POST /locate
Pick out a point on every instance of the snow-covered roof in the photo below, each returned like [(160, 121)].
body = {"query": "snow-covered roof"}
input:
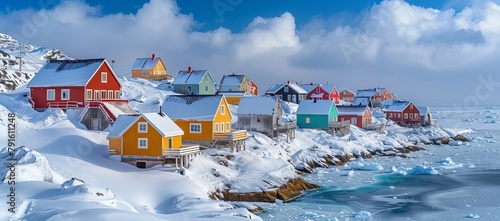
[(275, 88), (231, 93), (66, 73), (312, 107), (192, 107), (387, 103), (309, 87), (366, 92), (232, 79), (161, 122), (317, 95), (351, 110), (345, 89), (257, 105), (328, 87), (424, 110), (363, 101), (195, 77), (398, 106), (145, 63)]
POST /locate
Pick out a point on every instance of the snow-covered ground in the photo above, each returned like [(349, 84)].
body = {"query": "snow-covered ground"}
[(58, 149)]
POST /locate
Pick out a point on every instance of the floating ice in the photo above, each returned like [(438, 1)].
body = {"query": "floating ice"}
[(422, 170), (473, 216), (362, 215), (446, 161)]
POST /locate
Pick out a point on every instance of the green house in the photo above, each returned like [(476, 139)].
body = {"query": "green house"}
[(194, 82), (316, 114)]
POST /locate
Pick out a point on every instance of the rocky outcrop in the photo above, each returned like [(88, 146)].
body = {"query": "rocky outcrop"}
[(291, 189)]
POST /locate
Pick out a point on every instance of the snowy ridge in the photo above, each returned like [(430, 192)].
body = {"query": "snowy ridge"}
[(13, 74)]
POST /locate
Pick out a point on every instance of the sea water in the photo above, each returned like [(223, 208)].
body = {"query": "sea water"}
[(458, 182)]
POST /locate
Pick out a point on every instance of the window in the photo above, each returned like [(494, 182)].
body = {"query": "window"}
[(390, 115), (286, 89), (221, 127), (294, 98), (51, 94), (216, 127), (354, 120), (143, 127), (228, 128), (65, 94), (317, 90), (143, 143), (89, 95), (258, 119), (117, 94), (144, 73), (406, 115), (308, 120), (96, 95), (411, 116), (399, 115), (289, 98), (170, 143), (103, 95), (206, 87), (104, 77), (189, 88), (110, 94), (195, 128), (206, 79), (222, 109), (411, 106)]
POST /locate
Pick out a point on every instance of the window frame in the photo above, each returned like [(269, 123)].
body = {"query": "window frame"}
[(308, 120), (285, 89), (110, 94), (62, 94), (103, 92), (53, 94), (145, 124), (96, 92), (139, 146), (191, 125), (118, 95), (88, 92), (104, 77), (223, 109)]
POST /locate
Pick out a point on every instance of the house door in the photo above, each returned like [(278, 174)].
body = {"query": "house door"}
[(94, 124), (354, 120)]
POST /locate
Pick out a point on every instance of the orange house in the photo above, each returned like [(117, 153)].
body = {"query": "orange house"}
[(147, 139), (204, 119), (150, 68)]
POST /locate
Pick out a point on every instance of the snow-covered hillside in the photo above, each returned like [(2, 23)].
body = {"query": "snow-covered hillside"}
[(13, 75), (58, 148)]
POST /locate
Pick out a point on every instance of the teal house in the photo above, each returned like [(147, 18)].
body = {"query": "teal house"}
[(318, 114), (194, 82)]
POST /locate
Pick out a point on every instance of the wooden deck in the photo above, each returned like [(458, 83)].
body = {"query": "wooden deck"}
[(233, 136), (342, 127), (183, 151)]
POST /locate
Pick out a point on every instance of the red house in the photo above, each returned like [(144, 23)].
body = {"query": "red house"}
[(254, 89), (403, 112), (347, 95), (89, 83), (360, 116), (321, 92)]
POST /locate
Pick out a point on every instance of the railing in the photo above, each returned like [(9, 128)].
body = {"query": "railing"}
[(285, 126), (105, 113), (96, 103), (339, 124), (185, 150), (235, 135), (373, 126), (32, 102), (160, 76), (84, 111), (64, 105)]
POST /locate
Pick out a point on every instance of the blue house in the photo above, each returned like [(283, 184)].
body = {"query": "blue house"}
[(319, 114)]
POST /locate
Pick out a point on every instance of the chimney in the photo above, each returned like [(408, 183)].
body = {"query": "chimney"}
[(152, 56), (288, 82), (190, 70)]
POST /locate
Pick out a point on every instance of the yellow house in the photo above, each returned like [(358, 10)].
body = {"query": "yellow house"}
[(204, 119), (150, 68), (147, 139)]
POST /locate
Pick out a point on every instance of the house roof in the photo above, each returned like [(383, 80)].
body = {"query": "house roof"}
[(257, 105), (161, 122), (367, 92), (231, 93), (398, 106), (195, 77), (66, 72), (328, 87), (275, 88), (312, 107), (309, 87), (145, 63), (363, 101), (345, 89), (351, 110), (424, 110), (192, 107), (232, 80)]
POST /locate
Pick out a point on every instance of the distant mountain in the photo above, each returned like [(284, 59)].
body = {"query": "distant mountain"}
[(13, 74)]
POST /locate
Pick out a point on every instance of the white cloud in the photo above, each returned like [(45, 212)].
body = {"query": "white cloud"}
[(396, 45)]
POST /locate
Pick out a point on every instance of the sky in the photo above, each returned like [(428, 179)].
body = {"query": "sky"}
[(430, 52)]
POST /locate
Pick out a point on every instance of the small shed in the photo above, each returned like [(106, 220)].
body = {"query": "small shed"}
[(316, 114), (425, 116)]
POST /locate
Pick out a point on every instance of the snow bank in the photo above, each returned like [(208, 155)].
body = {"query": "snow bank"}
[(29, 166)]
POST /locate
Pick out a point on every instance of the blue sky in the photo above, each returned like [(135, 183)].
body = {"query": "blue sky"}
[(423, 50)]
